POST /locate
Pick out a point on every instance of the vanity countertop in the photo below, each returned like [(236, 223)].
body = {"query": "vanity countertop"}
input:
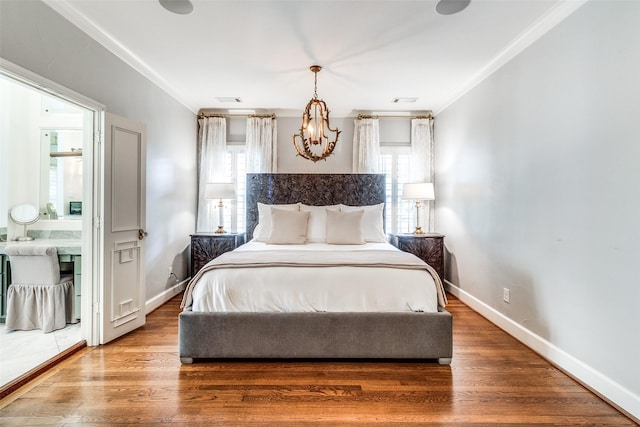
[(64, 246)]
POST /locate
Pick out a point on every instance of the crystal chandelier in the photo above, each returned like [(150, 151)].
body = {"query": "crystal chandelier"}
[(315, 126)]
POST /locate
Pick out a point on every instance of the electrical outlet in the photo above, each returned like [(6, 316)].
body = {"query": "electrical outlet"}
[(172, 274), (506, 295)]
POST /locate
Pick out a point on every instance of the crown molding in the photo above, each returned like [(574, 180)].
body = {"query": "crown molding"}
[(112, 44), (559, 12)]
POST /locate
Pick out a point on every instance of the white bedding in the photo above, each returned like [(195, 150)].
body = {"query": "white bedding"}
[(315, 289)]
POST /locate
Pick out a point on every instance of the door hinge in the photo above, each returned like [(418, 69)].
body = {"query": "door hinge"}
[(97, 222)]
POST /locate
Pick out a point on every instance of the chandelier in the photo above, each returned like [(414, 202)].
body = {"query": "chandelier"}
[(315, 126)]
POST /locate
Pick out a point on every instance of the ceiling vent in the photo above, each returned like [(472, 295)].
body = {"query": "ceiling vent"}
[(404, 100), (232, 99)]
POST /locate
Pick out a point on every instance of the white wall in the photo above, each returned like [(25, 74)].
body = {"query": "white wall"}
[(20, 160), (538, 184), (34, 37)]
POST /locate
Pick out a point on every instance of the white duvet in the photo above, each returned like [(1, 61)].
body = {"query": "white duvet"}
[(315, 289)]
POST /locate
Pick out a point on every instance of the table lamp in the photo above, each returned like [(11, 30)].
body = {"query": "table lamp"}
[(418, 191), (220, 190)]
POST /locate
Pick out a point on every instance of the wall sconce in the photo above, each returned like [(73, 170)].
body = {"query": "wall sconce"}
[(220, 190), (418, 191)]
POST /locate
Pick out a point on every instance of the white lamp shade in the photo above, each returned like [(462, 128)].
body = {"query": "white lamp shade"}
[(220, 190), (418, 191)]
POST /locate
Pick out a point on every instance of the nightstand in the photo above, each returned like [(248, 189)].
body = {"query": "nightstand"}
[(207, 246), (429, 247)]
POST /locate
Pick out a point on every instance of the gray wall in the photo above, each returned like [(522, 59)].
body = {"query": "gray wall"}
[(538, 185), (35, 37)]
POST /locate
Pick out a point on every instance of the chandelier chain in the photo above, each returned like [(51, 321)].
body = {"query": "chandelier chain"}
[(315, 85)]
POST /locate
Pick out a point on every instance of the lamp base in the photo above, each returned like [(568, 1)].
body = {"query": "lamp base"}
[(220, 230), (418, 230)]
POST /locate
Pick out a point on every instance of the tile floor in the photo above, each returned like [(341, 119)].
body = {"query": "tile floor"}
[(21, 351)]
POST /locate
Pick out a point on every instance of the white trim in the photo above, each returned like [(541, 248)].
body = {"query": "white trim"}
[(165, 296), (540, 27), (615, 394), (110, 43), (43, 84)]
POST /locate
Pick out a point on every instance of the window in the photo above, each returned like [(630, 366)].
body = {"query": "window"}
[(235, 171), (394, 162)]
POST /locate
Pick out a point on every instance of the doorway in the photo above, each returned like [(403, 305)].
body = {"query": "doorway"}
[(46, 161)]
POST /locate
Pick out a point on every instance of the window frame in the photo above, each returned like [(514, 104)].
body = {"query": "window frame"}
[(397, 211)]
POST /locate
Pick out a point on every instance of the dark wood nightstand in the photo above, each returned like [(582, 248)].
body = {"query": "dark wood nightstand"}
[(429, 247), (207, 246)]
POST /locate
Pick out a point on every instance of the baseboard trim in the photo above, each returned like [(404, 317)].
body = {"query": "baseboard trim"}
[(165, 296), (616, 395)]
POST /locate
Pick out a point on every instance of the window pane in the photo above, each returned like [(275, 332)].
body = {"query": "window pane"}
[(241, 189), (386, 167), (405, 219), (235, 171), (394, 163)]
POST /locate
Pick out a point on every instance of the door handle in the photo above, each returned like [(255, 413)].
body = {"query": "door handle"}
[(142, 234)]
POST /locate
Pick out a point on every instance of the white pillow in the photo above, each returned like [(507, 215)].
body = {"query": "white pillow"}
[(263, 229), (345, 228), (288, 227), (372, 224), (317, 228)]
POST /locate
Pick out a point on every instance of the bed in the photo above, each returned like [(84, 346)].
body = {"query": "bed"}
[(409, 321)]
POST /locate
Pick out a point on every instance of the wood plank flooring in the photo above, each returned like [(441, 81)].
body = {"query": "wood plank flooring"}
[(138, 379)]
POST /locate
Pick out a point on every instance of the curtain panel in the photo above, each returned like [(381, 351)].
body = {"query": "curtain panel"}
[(262, 144), (421, 167), (212, 147), (366, 146)]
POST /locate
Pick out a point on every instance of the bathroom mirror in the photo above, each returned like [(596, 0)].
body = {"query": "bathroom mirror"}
[(24, 215), (60, 173)]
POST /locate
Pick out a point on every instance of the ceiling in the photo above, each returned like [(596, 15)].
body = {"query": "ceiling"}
[(371, 51)]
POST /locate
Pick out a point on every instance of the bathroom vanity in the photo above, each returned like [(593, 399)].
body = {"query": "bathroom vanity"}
[(70, 256)]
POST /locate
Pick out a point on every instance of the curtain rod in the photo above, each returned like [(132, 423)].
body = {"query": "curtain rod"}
[(263, 116), (366, 116)]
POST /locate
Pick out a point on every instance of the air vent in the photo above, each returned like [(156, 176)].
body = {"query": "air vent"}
[(232, 99), (404, 100)]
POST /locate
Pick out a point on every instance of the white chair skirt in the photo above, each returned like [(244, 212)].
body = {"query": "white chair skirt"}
[(46, 307)]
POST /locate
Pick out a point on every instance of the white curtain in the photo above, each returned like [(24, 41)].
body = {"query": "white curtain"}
[(262, 144), (366, 146), (212, 147), (421, 167)]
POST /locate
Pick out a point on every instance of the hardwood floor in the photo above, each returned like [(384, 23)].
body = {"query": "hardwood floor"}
[(138, 379)]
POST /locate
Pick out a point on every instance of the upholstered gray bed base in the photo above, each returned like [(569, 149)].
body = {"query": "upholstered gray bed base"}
[(316, 335)]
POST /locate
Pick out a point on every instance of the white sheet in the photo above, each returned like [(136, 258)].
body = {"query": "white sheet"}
[(315, 289)]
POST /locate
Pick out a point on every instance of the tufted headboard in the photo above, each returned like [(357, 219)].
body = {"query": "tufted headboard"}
[(311, 189)]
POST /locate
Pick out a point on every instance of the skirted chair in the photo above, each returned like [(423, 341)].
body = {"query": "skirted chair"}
[(38, 298)]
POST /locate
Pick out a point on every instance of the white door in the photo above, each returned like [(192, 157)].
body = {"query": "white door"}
[(123, 225)]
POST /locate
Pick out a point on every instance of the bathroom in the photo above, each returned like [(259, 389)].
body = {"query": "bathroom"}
[(41, 175)]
